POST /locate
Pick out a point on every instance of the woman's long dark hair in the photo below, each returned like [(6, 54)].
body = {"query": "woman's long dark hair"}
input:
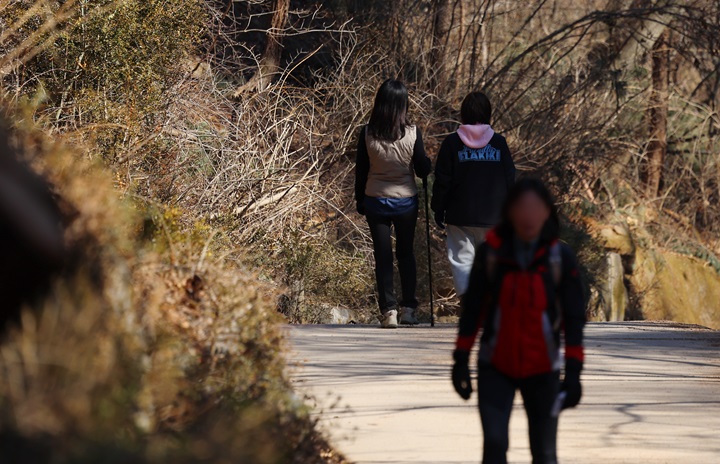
[(536, 186), (388, 119)]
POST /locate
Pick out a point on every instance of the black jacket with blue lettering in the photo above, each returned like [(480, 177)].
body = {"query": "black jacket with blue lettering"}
[(471, 183)]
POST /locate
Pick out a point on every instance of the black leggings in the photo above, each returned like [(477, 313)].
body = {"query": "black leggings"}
[(380, 230), (496, 393)]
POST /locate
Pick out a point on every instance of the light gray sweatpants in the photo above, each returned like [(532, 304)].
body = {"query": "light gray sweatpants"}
[(461, 245)]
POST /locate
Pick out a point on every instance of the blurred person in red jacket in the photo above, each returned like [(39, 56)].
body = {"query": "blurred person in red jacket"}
[(525, 292)]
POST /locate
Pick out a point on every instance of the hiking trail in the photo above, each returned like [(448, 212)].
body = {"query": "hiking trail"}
[(651, 393)]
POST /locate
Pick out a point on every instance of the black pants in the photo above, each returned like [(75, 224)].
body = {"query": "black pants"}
[(496, 393), (380, 230)]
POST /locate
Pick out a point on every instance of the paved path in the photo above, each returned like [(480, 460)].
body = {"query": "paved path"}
[(652, 395)]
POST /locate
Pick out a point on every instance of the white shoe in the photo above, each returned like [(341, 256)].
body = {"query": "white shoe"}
[(407, 316), (389, 320)]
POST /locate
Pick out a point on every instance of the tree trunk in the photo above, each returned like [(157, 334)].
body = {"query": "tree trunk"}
[(441, 34), (658, 112), (269, 65), (461, 70)]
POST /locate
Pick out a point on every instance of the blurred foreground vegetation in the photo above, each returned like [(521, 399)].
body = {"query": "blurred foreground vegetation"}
[(148, 347), (155, 343)]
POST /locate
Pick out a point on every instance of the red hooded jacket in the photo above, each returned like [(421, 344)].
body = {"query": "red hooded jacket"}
[(523, 311)]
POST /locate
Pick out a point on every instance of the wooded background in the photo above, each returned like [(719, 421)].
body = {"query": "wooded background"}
[(244, 114)]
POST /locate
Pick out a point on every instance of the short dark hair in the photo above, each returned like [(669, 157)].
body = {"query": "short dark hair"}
[(476, 109), (388, 119), (538, 187)]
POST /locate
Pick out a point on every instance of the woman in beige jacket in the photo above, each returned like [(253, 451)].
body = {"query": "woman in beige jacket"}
[(390, 153)]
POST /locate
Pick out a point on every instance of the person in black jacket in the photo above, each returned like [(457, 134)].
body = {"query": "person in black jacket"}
[(390, 153), (32, 247), (473, 173), (525, 292)]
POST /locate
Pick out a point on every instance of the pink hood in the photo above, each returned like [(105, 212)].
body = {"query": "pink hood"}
[(476, 135)]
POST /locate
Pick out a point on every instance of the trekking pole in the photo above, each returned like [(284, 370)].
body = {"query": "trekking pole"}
[(429, 254)]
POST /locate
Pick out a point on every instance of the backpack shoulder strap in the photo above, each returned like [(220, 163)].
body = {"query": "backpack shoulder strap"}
[(556, 263), (493, 243), (491, 259)]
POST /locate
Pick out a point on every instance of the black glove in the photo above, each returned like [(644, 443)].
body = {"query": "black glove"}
[(571, 385), (461, 374), (360, 205), (440, 219)]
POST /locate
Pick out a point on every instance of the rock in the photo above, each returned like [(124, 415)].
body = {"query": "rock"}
[(447, 319), (664, 284), (340, 316), (677, 287), (596, 306), (614, 293), (618, 237)]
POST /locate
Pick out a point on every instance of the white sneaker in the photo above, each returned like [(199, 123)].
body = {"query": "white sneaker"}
[(407, 316), (389, 320)]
